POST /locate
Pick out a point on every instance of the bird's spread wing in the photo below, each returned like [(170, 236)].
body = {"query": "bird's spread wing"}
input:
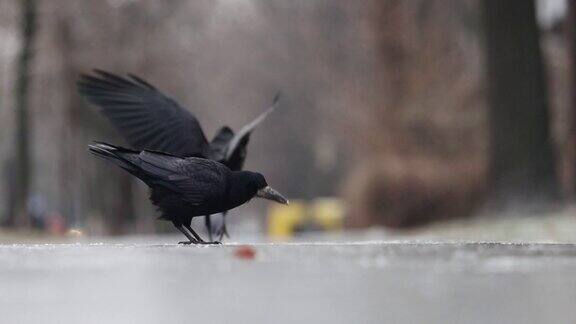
[(238, 143), (146, 117), (197, 180), (220, 142)]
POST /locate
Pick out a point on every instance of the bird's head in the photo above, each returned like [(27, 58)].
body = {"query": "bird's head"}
[(257, 183)]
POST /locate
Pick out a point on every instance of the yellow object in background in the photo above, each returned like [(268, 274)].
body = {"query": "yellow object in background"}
[(324, 214), (282, 219), (328, 213)]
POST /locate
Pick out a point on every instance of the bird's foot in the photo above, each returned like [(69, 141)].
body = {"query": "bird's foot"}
[(186, 242), (222, 231), (211, 242)]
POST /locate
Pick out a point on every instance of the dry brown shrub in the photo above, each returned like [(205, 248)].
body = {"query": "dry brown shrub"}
[(408, 191)]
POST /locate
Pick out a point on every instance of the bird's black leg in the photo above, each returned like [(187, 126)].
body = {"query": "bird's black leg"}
[(198, 238), (223, 231), (208, 223), (191, 240)]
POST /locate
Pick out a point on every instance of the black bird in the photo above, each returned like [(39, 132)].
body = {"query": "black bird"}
[(150, 120), (183, 188)]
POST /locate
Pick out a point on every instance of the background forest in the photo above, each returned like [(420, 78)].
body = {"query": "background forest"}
[(408, 111)]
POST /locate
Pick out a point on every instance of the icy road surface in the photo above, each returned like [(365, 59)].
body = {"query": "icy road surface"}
[(373, 282)]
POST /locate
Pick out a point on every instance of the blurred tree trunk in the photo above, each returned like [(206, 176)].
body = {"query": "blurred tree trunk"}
[(23, 164), (124, 209), (78, 130), (571, 35), (422, 141), (522, 159)]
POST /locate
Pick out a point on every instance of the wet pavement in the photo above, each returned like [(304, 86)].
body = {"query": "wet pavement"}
[(370, 282)]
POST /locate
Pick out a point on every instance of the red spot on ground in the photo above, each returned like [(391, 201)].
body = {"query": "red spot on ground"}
[(245, 252)]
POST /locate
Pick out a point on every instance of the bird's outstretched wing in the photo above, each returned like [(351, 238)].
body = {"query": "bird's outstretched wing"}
[(236, 150), (146, 117), (198, 180), (219, 144)]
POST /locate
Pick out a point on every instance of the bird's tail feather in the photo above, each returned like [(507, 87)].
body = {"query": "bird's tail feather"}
[(122, 157)]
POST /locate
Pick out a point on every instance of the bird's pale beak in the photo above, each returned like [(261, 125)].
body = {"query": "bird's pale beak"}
[(271, 194)]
